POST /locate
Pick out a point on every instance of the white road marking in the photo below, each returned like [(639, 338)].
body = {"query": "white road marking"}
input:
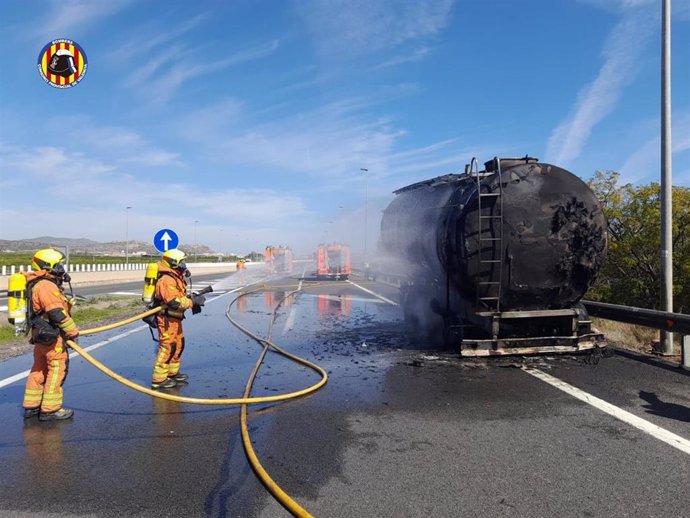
[(22, 375), (389, 301), (290, 319), (3, 308), (290, 322), (124, 293), (340, 298), (655, 431), (224, 294)]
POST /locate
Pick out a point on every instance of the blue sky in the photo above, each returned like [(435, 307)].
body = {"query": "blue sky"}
[(253, 118)]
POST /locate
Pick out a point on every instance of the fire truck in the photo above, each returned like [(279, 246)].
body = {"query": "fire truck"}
[(278, 259), (333, 262)]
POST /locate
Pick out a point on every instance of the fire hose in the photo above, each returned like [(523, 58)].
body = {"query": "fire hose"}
[(273, 488)]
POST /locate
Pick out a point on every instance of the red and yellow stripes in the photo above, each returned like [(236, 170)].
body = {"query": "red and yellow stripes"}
[(78, 61)]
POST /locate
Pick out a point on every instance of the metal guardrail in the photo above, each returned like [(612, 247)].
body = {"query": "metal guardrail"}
[(674, 322), (662, 320)]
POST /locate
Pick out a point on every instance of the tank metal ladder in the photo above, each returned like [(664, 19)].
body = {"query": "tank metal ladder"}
[(488, 295)]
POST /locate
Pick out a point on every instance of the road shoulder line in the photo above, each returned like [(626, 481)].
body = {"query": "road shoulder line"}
[(381, 297), (662, 434)]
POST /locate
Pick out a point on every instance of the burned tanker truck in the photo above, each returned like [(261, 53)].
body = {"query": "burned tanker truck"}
[(495, 261)]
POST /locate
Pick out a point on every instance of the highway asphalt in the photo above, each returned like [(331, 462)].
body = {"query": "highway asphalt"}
[(400, 430)]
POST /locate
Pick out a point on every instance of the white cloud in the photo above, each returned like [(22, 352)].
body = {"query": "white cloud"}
[(599, 98), (166, 71), (113, 145), (146, 38), (352, 27), (88, 198), (324, 142), (49, 164), (415, 55), (680, 9), (65, 17), (644, 165)]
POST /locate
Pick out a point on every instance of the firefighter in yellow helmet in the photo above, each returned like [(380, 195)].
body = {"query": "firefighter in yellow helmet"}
[(171, 295), (51, 324)]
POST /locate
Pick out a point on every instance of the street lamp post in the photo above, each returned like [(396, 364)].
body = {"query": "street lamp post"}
[(666, 176), (196, 243), (366, 203), (127, 235)]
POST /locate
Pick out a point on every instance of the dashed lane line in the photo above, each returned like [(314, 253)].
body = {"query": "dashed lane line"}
[(381, 297), (290, 322), (662, 434)]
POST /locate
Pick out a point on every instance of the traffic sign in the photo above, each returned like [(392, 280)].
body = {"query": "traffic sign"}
[(165, 239)]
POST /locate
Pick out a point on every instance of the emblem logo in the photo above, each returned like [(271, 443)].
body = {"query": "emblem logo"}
[(62, 63)]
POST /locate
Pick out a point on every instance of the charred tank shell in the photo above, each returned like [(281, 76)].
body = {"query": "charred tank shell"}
[(541, 235)]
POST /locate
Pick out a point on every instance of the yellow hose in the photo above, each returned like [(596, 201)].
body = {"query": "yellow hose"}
[(197, 401), (121, 323), (263, 475)]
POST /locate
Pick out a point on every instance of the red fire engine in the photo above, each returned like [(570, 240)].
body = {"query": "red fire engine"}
[(278, 259), (333, 262)]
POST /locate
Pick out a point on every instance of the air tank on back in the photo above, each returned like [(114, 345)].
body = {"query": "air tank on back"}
[(519, 235)]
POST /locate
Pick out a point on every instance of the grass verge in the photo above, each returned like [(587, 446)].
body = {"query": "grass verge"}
[(631, 337)]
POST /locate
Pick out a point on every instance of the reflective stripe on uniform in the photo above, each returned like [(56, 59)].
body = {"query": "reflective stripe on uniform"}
[(54, 377), (67, 325)]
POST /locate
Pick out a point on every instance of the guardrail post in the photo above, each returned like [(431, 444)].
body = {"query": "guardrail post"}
[(4, 270), (685, 350)]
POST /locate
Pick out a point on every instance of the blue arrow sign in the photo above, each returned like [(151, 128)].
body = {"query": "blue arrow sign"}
[(165, 239)]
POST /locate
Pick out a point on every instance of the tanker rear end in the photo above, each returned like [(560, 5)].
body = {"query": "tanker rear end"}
[(499, 259)]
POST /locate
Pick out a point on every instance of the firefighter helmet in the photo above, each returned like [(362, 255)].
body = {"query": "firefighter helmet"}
[(174, 258), (50, 260), (62, 64)]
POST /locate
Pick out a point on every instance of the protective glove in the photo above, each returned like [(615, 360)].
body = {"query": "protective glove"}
[(72, 301), (198, 300), (196, 309), (73, 335)]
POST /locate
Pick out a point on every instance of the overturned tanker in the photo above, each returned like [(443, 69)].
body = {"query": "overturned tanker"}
[(497, 260)]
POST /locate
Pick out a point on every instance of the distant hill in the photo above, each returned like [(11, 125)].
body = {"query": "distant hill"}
[(87, 246)]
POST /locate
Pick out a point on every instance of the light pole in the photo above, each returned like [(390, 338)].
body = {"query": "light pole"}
[(196, 243), (366, 202), (127, 235), (666, 176)]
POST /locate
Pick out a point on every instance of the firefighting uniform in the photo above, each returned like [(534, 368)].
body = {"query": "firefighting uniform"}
[(171, 293), (51, 360)]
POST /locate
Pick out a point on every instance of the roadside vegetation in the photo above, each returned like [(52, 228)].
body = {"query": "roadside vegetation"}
[(89, 313), (631, 274)]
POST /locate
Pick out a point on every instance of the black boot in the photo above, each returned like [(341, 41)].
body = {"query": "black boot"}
[(58, 415), (168, 383), (178, 377), (30, 412)]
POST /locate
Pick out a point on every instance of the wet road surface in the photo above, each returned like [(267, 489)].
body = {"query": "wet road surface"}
[(399, 430)]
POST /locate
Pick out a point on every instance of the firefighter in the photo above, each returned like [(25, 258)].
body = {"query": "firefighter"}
[(51, 324), (171, 295)]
